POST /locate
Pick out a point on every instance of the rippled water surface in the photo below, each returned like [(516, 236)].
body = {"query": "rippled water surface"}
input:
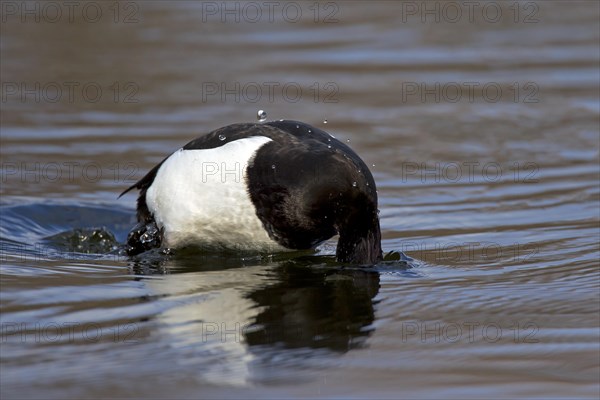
[(483, 136)]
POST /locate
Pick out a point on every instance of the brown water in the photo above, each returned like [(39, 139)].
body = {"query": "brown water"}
[(483, 133)]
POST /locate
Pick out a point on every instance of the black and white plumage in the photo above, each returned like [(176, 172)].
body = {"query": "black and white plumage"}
[(272, 186)]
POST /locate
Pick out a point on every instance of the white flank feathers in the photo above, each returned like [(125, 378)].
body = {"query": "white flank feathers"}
[(200, 198)]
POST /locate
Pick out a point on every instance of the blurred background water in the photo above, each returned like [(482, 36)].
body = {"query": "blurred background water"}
[(480, 121)]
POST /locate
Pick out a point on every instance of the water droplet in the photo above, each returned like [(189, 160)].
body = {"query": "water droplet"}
[(326, 217), (328, 146), (309, 131), (354, 184), (324, 121), (222, 137), (373, 165), (273, 166), (297, 126), (261, 115), (359, 171), (347, 140), (328, 139)]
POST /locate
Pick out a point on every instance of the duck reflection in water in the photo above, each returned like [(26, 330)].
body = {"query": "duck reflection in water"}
[(318, 308), (297, 304)]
